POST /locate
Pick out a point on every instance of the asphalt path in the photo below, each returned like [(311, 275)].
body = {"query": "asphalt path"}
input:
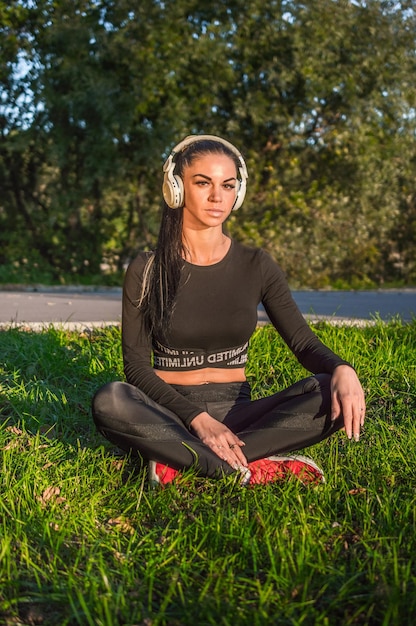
[(97, 307)]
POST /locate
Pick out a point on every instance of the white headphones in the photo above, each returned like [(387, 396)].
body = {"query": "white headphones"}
[(173, 184)]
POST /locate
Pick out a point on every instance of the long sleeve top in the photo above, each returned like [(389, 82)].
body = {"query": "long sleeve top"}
[(214, 317)]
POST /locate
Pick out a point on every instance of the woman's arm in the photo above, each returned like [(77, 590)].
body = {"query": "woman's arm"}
[(289, 322), (137, 349), (347, 395)]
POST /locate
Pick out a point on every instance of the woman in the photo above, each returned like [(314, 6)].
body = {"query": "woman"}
[(189, 310)]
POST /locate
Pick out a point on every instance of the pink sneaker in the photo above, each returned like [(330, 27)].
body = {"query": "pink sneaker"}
[(160, 474), (274, 468)]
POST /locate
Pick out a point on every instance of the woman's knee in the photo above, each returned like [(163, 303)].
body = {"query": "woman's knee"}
[(317, 390), (318, 382), (108, 401), (120, 402), (323, 383), (106, 397)]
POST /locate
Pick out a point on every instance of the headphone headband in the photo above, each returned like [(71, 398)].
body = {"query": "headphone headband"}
[(173, 185)]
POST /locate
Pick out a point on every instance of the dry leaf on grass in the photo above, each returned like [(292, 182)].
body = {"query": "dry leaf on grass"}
[(51, 494), (121, 524), (14, 430)]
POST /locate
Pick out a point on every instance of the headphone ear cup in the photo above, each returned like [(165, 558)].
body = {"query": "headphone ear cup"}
[(173, 190), (241, 193)]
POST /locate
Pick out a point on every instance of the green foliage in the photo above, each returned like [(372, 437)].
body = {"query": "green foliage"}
[(84, 540), (318, 95)]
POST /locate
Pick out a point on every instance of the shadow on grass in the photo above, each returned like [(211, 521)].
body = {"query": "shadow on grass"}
[(47, 380)]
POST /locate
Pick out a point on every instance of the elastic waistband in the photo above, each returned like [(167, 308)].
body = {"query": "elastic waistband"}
[(174, 359)]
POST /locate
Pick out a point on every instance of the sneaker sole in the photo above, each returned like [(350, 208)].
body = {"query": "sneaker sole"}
[(303, 459), (153, 477)]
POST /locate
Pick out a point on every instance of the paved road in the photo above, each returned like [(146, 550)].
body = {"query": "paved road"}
[(367, 305), (60, 306), (97, 307)]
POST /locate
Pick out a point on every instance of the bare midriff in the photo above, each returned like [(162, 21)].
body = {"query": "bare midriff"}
[(203, 376)]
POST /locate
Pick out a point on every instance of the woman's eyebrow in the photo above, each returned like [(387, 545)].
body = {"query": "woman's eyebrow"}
[(208, 178)]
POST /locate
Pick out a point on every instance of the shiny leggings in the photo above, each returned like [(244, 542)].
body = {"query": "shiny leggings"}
[(289, 420)]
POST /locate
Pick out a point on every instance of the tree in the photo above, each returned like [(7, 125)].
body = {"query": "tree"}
[(327, 93), (317, 94)]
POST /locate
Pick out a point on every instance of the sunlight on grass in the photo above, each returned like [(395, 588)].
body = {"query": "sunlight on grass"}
[(85, 540)]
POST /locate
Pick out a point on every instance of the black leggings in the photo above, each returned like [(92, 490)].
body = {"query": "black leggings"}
[(289, 420)]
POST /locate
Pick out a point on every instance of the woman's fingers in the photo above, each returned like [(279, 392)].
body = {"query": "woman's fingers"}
[(219, 439), (355, 420), (230, 452), (348, 400)]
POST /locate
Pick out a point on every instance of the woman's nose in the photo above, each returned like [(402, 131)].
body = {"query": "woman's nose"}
[(215, 195)]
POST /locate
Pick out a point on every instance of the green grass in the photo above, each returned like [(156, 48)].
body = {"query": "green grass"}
[(84, 540)]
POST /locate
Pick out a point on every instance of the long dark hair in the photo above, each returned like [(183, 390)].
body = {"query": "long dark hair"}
[(163, 271)]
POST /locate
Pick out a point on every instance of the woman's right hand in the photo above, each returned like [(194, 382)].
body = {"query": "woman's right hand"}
[(219, 439)]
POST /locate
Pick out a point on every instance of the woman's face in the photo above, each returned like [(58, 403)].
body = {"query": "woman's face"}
[(210, 186)]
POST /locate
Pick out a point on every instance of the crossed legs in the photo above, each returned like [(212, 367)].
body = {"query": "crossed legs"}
[(292, 419)]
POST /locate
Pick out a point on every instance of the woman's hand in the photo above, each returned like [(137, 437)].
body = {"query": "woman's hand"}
[(219, 439), (347, 399)]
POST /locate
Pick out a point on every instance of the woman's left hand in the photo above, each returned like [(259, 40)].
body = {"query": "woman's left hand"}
[(347, 399)]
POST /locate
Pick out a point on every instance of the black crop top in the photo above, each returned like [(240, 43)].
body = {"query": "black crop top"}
[(214, 317)]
